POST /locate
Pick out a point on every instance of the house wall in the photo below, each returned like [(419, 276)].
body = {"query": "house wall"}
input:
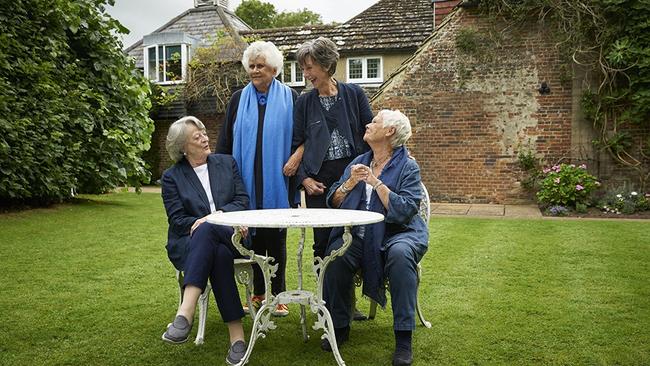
[(473, 113)]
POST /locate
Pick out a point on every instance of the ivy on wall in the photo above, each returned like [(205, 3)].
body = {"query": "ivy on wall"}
[(611, 37), (73, 108)]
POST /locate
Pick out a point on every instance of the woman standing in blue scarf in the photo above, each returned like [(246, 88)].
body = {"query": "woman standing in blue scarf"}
[(257, 132), (384, 180)]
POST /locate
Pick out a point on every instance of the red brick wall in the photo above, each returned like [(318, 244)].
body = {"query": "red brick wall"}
[(473, 114)]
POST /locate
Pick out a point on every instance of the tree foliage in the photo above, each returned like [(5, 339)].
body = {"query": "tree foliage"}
[(73, 109), (256, 13), (611, 37), (296, 18), (260, 15)]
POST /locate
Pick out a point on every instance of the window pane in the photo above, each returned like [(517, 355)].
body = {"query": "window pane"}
[(373, 68), (299, 76), (286, 72), (173, 60), (355, 69), (152, 63), (161, 64)]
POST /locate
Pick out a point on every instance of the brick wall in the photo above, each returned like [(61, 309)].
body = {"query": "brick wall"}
[(472, 114)]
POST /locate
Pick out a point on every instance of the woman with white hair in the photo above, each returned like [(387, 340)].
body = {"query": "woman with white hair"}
[(198, 184), (257, 132), (384, 180)]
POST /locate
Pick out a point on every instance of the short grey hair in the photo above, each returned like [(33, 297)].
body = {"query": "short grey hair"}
[(177, 136), (400, 122), (322, 51), (271, 54)]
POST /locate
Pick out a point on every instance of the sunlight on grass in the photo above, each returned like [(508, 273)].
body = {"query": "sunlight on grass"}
[(89, 283)]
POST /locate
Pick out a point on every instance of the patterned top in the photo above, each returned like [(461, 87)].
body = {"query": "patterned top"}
[(327, 101), (339, 146)]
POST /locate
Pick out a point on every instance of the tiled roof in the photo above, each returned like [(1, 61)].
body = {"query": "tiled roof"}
[(202, 22), (387, 25)]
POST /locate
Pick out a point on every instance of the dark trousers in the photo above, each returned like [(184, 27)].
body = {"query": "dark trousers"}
[(211, 256), (330, 172), (270, 242)]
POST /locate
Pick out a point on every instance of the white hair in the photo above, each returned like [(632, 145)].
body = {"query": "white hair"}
[(177, 136), (401, 124), (267, 50)]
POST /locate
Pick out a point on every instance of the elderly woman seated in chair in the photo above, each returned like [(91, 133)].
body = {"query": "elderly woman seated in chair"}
[(384, 180), (198, 184)]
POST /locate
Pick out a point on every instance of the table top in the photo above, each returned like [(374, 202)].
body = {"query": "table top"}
[(295, 217)]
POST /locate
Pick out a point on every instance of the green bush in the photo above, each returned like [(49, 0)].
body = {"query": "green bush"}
[(566, 185), (73, 108)]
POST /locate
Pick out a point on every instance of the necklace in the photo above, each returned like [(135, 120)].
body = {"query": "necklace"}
[(374, 163)]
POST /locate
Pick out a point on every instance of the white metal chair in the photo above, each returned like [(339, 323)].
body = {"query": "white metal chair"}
[(243, 275)]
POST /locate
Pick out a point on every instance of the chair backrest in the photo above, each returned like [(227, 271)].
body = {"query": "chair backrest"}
[(425, 205)]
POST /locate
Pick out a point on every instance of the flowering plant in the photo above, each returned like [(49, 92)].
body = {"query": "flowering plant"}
[(566, 185), (623, 200), (557, 210)]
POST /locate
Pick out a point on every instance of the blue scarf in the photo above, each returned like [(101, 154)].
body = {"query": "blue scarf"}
[(372, 262), (276, 146)]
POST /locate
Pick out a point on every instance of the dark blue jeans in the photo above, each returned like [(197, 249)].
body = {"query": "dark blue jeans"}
[(211, 256)]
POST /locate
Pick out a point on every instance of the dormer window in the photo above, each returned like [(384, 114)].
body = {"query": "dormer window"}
[(166, 63), (166, 56)]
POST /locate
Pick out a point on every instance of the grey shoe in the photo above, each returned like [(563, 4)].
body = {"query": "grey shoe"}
[(236, 352), (178, 331), (358, 315)]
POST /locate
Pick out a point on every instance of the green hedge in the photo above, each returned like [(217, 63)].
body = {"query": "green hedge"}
[(73, 108)]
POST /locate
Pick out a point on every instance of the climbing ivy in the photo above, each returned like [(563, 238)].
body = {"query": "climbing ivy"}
[(73, 109), (611, 37)]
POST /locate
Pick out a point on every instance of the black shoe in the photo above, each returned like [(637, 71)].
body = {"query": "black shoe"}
[(341, 334), (402, 357), (178, 331), (358, 315), (236, 353)]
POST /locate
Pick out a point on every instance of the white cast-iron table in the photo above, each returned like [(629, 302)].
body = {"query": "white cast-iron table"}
[(302, 218)]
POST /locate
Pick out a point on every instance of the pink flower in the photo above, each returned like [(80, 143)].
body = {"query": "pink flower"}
[(582, 166), (556, 180), (579, 187), (546, 170)]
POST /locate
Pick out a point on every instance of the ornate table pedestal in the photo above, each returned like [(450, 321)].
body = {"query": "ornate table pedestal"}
[(303, 219)]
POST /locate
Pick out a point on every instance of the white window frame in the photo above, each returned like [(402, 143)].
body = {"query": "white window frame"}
[(291, 80), (185, 51), (364, 70)]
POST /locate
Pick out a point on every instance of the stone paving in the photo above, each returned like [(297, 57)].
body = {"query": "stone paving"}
[(485, 210)]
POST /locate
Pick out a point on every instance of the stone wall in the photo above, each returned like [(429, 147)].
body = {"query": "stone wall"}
[(474, 109)]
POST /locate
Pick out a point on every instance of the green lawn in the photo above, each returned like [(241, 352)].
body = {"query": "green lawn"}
[(90, 284)]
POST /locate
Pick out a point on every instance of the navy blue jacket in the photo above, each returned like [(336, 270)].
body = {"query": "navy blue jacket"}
[(310, 126), (185, 199)]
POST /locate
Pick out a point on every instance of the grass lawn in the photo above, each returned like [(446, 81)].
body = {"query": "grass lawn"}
[(90, 284)]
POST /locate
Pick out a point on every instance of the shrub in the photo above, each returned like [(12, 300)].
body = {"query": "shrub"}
[(74, 108), (566, 185)]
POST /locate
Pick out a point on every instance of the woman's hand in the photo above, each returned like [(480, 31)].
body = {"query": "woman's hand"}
[(313, 187), (293, 163), (243, 230), (196, 224), (200, 221), (291, 166), (358, 173)]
